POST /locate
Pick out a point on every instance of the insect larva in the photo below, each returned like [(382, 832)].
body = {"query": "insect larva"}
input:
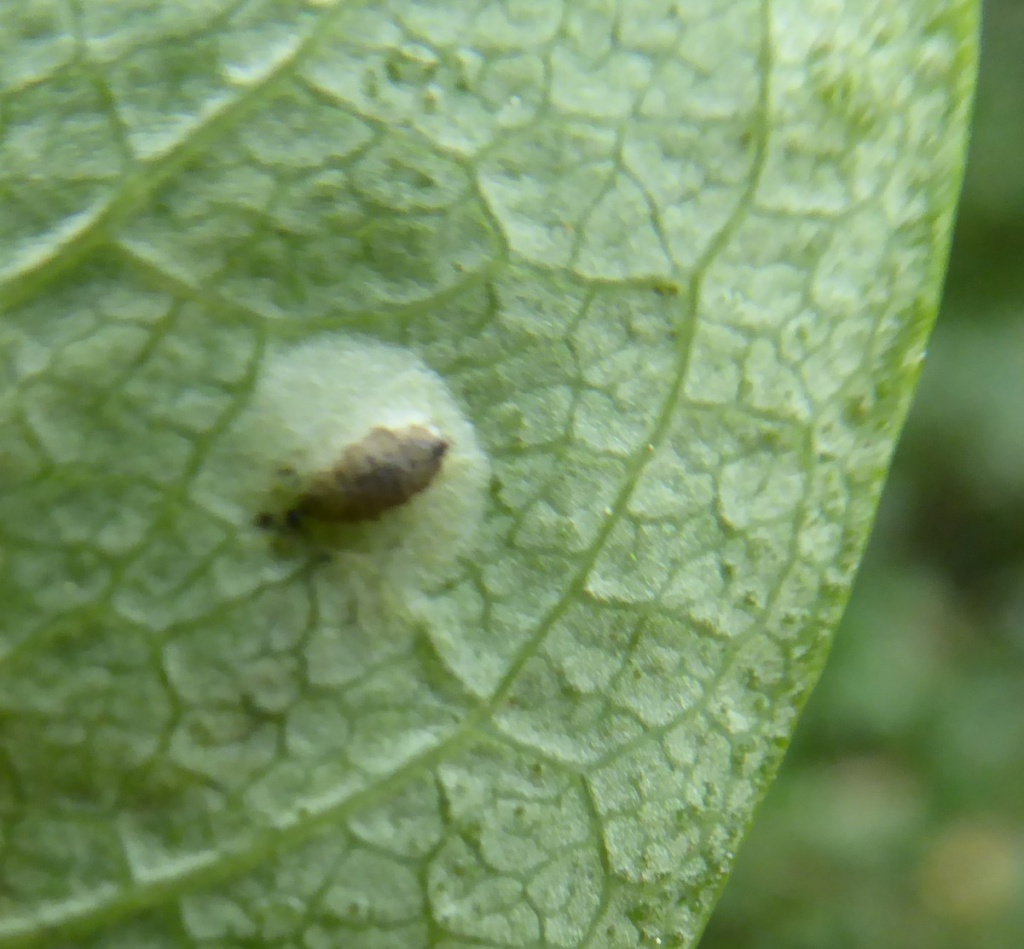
[(383, 470)]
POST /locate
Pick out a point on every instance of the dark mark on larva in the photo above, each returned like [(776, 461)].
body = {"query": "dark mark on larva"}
[(383, 470)]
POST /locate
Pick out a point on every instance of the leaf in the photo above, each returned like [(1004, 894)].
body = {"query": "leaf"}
[(666, 271)]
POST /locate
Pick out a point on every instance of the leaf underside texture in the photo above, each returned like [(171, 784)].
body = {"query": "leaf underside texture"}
[(677, 263)]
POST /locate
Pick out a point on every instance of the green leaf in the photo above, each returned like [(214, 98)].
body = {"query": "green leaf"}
[(661, 272)]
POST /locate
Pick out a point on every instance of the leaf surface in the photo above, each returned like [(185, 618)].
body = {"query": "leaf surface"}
[(673, 264)]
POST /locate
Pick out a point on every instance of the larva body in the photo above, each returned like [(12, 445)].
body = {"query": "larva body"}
[(384, 470)]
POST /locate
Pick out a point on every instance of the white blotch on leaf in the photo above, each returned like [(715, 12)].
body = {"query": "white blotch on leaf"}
[(324, 408)]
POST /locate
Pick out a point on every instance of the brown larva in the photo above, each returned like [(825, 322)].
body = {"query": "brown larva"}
[(383, 470)]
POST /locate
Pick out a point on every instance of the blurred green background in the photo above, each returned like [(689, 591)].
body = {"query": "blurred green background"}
[(897, 821)]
